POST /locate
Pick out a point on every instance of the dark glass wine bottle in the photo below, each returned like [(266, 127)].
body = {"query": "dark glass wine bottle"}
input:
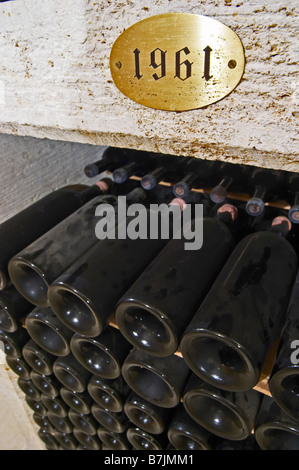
[(246, 444), (43, 422), (55, 405), (146, 416), (196, 172), (61, 424), (13, 309), (185, 434), (115, 422), (66, 441), (48, 439), (228, 349), (230, 415), (142, 440), (36, 405), (275, 429), (111, 394), (80, 402), (84, 296), (88, 441), (40, 360), (71, 373), (230, 177), (121, 174), (111, 159), (284, 379), (34, 268), (47, 384), (86, 423), (14, 342), (113, 440), (149, 315), (19, 366), (293, 197), (159, 380), (265, 185), (28, 225), (150, 180), (30, 390), (102, 355), (48, 331)]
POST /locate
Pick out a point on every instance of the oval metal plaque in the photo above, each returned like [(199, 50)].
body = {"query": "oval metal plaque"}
[(177, 61)]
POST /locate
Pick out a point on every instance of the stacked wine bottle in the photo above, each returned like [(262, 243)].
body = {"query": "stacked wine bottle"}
[(123, 343)]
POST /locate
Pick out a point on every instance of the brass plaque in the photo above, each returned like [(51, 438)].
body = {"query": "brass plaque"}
[(177, 61)]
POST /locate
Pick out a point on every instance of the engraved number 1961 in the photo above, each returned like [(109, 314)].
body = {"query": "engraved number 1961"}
[(183, 68)]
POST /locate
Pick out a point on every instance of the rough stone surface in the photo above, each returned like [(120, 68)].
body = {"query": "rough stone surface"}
[(32, 168), (56, 82)]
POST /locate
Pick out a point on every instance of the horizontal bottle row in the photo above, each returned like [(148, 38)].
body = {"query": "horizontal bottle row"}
[(149, 314), (187, 173), (142, 426), (162, 297)]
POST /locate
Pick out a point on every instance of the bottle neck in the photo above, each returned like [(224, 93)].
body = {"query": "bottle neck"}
[(101, 187), (281, 225), (227, 214)]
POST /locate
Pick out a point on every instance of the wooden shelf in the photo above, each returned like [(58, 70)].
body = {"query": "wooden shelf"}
[(279, 204)]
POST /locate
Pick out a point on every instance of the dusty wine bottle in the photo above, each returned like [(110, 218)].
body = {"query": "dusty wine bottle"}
[(43, 422), (196, 173), (113, 440), (86, 423), (88, 441), (47, 384), (146, 416), (84, 296), (55, 405), (48, 439), (230, 415), (142, 440), (265, 184), (40, 360), (293, 196), (116, 422), (66, 441), (246, 444), (80, 402), (149, 315), (227, 349), (28, 387), (111, 394), (71, 373), (28, 225), (37, 406), (34, 268), (14, 342), (102, 355), (13, 308), (284, 379), (159, 380), (48, 331), (185, 434), (61, 424), (150, 180), (19, 366), (120, 175), (275, 429), (111, 159)]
